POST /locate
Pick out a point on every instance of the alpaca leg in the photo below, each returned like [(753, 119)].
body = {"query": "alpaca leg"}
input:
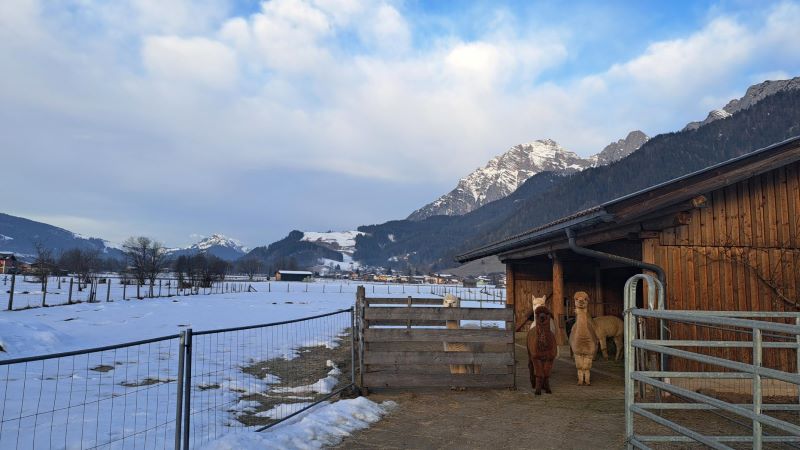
[(618, 342), (548, 365), (532, 374), (588, 377), (603, 346), (539, 382)]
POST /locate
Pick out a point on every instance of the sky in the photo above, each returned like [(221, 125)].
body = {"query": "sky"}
[(177, 119)]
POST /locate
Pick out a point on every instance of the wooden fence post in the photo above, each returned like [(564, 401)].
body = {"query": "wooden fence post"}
[(44, 291), (360, 302), (159, 287), (11, 292), (124, 288), (108, 289), (69, 297)]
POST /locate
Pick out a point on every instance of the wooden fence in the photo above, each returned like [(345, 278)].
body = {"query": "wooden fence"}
[(403, 341)]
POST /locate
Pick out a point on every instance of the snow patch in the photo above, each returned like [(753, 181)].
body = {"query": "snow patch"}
[(322, 426)]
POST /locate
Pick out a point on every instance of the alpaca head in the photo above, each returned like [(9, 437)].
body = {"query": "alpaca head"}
[(451, 301), (543, 316), (581, 300), (538, 301)]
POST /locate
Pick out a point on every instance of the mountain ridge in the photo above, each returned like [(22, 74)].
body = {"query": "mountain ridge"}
[(504, 173)]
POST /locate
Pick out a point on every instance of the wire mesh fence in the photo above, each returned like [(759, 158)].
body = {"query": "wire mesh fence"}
[(121, 396), (177, 391), (253, 377), (27, 291)]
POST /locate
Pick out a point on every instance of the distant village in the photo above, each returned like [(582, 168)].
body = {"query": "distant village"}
[(10, 264)]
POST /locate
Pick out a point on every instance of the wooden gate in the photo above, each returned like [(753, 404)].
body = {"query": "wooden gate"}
[(402, 345)]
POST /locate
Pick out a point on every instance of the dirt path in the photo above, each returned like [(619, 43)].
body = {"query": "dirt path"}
[(573, 417)]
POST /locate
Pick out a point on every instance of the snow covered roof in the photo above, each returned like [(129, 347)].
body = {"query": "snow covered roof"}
[(295, 272)]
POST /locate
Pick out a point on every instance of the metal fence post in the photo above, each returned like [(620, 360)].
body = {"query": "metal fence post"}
[(187, 386), (179, 394), (11, 292), (757, 361)]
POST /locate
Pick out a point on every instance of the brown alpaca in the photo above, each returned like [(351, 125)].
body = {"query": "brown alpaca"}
[(541, 350), (583, 340)]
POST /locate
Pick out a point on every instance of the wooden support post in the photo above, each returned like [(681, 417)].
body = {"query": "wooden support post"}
[(69, 297), (600, 308), (108, 289), (11, 292), (159, 287), (124, 287), (558, 301)]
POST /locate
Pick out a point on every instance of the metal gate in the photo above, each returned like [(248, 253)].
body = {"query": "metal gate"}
[(657, 398)]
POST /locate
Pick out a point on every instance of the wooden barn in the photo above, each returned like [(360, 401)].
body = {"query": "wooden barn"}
[(292, 275), (723, 238)]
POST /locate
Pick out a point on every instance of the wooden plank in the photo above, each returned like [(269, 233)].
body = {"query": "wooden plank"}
[(745, 211), (732, 209), (381, 380), (510, 284), (441, 369), (434, 358), (757, 196), (405, 323), (402, 301), (782, 204), (770, 216), (420, 335), (477, 347), (502, 314), (793, 203), (720, 222)]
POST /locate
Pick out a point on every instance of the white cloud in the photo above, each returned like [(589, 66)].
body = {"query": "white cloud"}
[(336, 87), (198, 60)]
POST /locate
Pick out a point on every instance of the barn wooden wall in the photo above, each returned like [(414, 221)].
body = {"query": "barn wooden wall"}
[(741, 252)]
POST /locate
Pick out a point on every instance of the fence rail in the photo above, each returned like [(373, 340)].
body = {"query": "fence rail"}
[(178, 391), (671, 399), (414, 344)]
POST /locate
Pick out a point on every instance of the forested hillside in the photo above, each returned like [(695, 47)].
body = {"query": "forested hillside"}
[(432, 243)]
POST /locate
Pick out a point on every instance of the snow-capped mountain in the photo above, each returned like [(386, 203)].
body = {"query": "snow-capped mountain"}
[(218, 245), (20, 236), (505, 173), (754, 94), (341, 241)]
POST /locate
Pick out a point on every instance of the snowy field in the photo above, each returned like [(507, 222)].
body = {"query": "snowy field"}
[(125, 397)]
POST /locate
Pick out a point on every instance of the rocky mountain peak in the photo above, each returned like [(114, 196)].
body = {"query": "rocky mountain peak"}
[(504, 173), (753, 95), (622, 148)]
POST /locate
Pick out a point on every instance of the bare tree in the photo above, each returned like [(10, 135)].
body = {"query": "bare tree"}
[(82, 263), (250, 266), (146, 259), (42, 266)]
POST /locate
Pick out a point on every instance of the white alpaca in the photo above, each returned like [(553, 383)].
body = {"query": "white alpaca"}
[(451, 301), (535, 303)]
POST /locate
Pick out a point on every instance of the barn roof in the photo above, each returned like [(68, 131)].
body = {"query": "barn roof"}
[(295, 272), (638, 204)]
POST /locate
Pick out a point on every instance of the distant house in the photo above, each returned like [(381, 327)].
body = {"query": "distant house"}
[(8, 263), (292, 275)]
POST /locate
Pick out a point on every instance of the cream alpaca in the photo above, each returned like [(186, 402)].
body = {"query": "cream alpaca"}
[(451, 301), (583, 340), (609, 327)]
